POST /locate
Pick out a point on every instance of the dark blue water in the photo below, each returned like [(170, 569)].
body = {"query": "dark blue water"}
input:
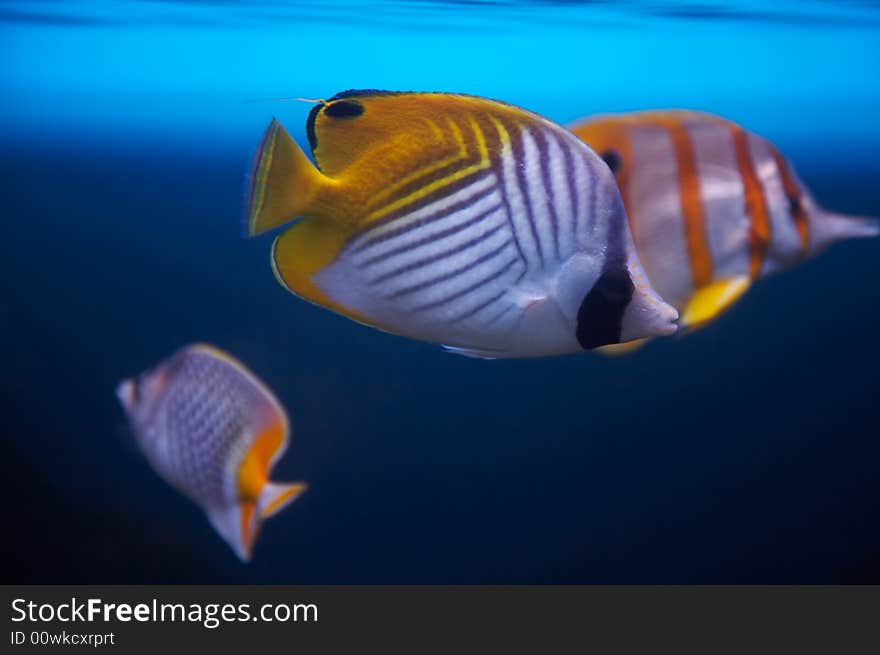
[(747, 452)]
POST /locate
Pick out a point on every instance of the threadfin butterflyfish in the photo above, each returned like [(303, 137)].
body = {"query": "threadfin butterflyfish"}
[(455, 220), (213, 431), (712, 207)]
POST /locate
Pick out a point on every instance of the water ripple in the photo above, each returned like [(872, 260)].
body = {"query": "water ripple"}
[(460, 14)]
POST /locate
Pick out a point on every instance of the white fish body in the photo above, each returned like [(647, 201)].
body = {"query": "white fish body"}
[(455, 220), (712, 206), (213, 431)]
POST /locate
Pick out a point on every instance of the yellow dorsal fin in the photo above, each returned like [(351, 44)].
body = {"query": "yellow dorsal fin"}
[(712, 299)]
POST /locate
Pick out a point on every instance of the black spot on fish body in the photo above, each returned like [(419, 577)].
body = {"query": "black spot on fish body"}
[(343, 109), (601, 313), (613, 159)]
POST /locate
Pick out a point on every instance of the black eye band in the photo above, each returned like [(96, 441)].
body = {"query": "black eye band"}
[(600, 316)]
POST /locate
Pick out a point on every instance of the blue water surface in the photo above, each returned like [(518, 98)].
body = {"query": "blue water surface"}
[(747, 452)]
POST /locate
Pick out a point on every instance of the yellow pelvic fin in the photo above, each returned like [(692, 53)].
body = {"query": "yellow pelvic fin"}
[(712, 299), (284, 184), (617, 349)]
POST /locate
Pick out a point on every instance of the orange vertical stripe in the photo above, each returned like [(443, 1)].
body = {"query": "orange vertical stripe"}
[(612, 134), (756, 203), (793, 193), (691, 202)]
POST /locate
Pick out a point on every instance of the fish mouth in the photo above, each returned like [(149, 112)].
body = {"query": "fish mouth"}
[(648, 315), (125, 393)]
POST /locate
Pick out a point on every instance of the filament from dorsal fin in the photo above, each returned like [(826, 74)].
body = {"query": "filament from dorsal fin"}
[(312, 101)]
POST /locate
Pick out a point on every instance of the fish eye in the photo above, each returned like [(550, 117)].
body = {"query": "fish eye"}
[(344, 109), (612, 159), (794, 204)]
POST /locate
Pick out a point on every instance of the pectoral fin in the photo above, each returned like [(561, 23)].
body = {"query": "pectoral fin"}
[(710, 300)]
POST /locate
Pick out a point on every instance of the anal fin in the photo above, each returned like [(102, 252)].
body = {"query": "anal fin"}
[(712, 299), (618, 349), (227, 521), (473, 353)]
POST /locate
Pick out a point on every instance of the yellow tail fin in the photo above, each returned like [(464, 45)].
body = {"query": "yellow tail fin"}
[(283, 182), (276, 496)]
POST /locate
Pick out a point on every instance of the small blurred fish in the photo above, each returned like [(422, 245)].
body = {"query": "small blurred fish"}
[(456, 220), (213, 431), (712, 206)]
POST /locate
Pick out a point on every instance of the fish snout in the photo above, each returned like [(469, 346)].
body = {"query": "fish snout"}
[(125, 393), (648, 315)]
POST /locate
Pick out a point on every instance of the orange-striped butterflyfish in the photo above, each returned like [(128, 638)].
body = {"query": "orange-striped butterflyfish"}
[(213, 431), (712, 207), (455, 220)]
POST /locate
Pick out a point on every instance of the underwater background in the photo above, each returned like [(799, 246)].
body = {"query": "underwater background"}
[(747, 452)]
